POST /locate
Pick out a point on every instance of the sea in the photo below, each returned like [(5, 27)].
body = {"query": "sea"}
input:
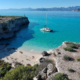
[(66, 26)]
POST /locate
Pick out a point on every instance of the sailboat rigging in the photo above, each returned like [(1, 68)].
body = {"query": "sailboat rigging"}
[(46, 29)]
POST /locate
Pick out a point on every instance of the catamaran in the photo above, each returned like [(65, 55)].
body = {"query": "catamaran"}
[(46, 29)]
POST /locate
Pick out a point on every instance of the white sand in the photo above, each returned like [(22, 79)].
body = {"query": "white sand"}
[(26, 57)]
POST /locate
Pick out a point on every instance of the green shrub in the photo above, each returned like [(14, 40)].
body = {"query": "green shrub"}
[(70, 70), (78, 59), (60, 76), (4, 68), (21, 73), (68, 49), (72, 45), (67, 58)]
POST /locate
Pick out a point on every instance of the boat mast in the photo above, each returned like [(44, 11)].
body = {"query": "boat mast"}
[(46, 19)]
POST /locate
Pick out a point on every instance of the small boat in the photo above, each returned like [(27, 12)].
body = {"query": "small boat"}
[(46, 29)]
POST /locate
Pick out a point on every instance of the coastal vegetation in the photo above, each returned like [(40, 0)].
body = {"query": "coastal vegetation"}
[(70, 70), (4, 68), (67, 58), (60, 76), (70, 46), (48, 66), (78, 59), (21, 73), (68, 49)]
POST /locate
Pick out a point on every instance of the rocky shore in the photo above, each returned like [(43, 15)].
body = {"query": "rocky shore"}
[(66, 61), (10, 24), (63, 60)]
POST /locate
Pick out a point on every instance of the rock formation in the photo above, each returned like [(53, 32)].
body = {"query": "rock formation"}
[(7, 28)]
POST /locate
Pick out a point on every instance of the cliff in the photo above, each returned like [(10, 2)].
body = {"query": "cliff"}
[(10, 24)]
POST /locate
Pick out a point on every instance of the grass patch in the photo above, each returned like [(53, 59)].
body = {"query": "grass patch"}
[(67, 58), (78, 59), (70, 70), (60, 76), (70, 46), (68, 49)]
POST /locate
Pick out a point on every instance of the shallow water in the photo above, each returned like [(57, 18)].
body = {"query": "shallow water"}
[(66, 26)]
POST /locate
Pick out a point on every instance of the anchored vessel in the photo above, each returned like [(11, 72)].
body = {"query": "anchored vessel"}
[(46, 29)]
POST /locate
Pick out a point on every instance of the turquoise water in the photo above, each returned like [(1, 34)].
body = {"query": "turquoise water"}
[(66, 26)]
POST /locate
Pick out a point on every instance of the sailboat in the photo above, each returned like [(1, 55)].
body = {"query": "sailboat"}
[(46, 29)]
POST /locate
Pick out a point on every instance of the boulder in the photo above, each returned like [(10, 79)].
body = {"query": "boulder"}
[(42, 60), (13, 65), (45, 70), (50, 69), (44, 53), (39, 77), (34, 78)]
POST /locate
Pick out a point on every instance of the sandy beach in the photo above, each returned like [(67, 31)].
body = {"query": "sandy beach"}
[(22, 56)]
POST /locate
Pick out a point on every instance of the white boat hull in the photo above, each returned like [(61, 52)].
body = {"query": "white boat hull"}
[(47, 30)]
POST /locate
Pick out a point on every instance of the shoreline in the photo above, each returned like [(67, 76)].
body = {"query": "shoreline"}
[(22, 56), (31, 58)]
